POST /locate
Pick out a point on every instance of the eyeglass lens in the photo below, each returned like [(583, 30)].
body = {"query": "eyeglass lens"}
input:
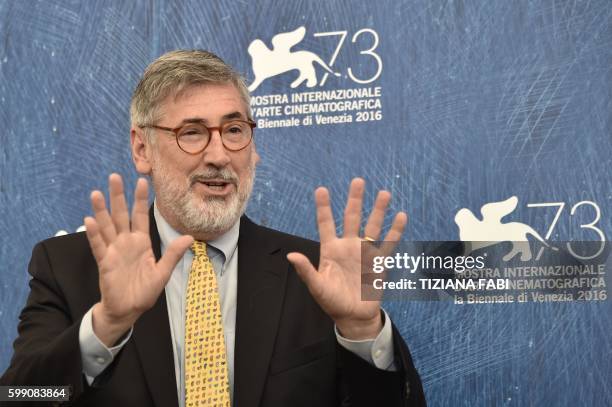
[(194, 137)]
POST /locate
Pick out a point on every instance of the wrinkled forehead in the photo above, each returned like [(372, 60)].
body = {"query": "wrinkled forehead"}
[(186, 91)]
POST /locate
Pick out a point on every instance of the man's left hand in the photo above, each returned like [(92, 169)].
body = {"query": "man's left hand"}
[(336, 285)]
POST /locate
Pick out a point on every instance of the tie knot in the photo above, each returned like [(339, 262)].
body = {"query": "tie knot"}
[(199, 248)]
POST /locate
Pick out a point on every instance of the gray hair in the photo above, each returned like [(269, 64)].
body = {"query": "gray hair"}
[(176, 71)]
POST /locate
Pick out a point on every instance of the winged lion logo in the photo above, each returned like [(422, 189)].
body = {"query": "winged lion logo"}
[(490, 230), (280, 59)]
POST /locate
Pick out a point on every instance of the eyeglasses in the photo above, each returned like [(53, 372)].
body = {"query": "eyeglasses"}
[(194, 137)]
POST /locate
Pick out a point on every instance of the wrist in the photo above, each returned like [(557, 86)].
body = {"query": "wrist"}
[(357, 330), (107, 328)]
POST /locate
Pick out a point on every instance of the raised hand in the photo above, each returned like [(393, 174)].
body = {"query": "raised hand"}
[(336, 285), (130, 278)]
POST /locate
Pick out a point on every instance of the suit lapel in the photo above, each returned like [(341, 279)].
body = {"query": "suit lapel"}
[(154, 343), (262, 272)]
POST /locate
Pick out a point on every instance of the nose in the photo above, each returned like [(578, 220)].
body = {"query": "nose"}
[(215, 153)]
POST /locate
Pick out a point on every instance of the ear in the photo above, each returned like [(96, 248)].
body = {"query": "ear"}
[(256, 156), (141, 151)]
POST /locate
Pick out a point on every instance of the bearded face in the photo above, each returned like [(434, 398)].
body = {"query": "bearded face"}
[(202, 213), (203, 194)]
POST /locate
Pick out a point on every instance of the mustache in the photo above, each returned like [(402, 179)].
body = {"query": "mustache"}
[(224, 174)]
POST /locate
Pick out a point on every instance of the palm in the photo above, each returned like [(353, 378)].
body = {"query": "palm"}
[(128, 275), (340, 270), (130, 278), (337, 284)]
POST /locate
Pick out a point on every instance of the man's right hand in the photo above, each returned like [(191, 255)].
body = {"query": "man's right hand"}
[(130, 278)]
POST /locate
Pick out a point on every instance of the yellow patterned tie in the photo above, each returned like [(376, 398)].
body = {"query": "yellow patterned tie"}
[(206, 379)]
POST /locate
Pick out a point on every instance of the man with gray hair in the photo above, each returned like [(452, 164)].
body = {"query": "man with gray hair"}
[(188, 302)]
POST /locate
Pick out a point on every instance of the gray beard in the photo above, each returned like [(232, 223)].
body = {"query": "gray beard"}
[(197, 215)]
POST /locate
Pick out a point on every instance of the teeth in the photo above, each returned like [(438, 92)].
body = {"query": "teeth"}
[(215, 185)]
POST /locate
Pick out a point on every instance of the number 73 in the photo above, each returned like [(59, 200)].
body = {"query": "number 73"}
[(591, 226), (370, 52)]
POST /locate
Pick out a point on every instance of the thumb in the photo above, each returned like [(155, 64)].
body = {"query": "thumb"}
[(305, 270), (173, 254)]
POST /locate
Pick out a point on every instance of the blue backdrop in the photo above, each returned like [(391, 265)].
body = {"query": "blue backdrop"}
[(477, 101)]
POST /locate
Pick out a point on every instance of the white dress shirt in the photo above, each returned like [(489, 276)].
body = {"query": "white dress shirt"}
[(223, 253)]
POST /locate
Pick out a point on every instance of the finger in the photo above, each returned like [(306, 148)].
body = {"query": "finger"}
[(103, 218), (173, 254), (354, 205), (397, 227), (140, 210), (377, 217), (96, 242), (306, 271), (119, 209), (325, 218)]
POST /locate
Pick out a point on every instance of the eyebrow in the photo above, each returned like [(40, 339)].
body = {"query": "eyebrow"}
[(229, 116)]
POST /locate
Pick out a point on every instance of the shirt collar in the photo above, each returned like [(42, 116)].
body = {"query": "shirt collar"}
[(226, 243)]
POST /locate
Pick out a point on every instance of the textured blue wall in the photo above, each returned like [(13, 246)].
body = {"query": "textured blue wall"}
[(481, 100)]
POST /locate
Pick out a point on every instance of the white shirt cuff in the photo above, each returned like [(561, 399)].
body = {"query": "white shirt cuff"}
[(95, 355), (378, 351)]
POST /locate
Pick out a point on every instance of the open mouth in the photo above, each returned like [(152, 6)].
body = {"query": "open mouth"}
[(216, 185)]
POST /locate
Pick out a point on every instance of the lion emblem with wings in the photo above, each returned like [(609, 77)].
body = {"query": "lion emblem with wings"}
[(280, 59), (490, 230)]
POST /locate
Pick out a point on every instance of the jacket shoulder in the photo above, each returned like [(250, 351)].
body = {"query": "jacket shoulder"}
[(67, 258), (69, 247), (75, 240), (276, 239)]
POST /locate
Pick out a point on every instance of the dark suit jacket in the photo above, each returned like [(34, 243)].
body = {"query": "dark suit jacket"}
[(286, 353)]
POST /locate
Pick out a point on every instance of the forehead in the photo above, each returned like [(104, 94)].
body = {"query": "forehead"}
[(208, 102)]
